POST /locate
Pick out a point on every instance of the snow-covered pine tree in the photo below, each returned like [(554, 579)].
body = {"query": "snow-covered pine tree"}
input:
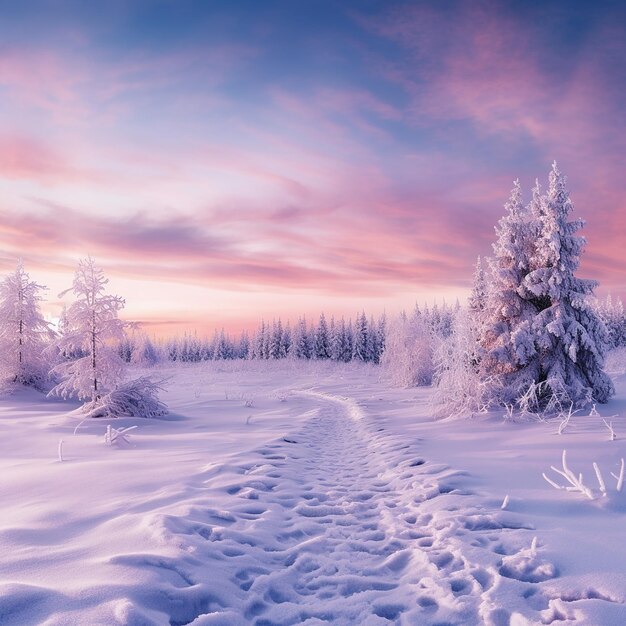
[(321, 348), (172, 349), (266, 340), (373, 343), (93, 329), (381, 331), (477, 301), (302, 347), (243, 349), (359, 347), (23, 330), (222, 349), (285, 341), (569, 337), (276, 339), (505, 335), (348, 353), (260, 342), (337, 340), (144, 351)]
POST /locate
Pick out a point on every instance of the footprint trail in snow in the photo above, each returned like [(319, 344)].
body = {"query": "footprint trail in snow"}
[(342, 523)]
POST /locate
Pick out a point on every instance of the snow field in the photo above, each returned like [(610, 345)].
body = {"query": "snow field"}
[(313, 495)]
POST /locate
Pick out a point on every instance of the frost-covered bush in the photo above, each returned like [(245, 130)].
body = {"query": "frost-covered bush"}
[(408, 358), (135, 398), (611, 312), (24, 332), (460, 386)]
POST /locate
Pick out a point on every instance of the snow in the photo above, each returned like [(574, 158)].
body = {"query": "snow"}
[(313, 492)]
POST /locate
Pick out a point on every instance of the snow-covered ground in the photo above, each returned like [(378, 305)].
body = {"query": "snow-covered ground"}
[(311, 493)]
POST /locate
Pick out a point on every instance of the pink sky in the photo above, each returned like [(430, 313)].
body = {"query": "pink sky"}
[(227, 165)]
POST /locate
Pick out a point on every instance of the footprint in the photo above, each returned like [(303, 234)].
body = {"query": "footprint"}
[(483, 578), (427, 603), (459, 586), (389, 611)]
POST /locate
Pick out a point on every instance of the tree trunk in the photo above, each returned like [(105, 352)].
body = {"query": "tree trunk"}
[(93, 355)]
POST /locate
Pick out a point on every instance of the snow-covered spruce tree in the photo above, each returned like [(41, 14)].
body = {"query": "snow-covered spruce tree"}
[(144, 351), (348, 353), (478, 297), (338, 340), (381, 331), (23, 330), (286, 341), (301, 345), (359, 346), (223, 347), (373, 342), (243, 348), (95, 330), (569, 337), (276, 339), (321, 348), (505, 333)]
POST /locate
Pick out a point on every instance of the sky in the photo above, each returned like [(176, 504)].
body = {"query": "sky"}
[(228, 161)]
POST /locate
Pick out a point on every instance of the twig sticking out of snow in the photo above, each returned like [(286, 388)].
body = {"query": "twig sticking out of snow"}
[(609, 425), (117, 435), (620, 478), (505, 502), (60, 450), (79, 425), (576, 484), (600, 478), (565, 418)]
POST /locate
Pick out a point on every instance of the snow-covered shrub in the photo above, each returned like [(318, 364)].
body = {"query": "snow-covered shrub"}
[(460, 387), (135, 398), (23, 330), (616, 361), (612, 313), (544, 400), (408, 358)]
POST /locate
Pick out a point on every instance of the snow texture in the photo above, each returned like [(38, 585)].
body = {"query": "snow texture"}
[(275, 495)]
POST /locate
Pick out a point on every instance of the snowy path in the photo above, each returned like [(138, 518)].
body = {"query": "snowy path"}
[(341, 523)]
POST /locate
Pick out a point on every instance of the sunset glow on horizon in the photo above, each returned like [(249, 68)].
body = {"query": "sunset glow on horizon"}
[(227, 162)]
